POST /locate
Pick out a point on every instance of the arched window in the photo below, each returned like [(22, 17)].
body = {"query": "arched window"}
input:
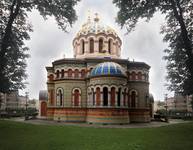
[(93, 97), (57, 74), (69, 72), (100, 45), (62, 73), (133, 99), (128, 100), (139, 76), (51, 77), (76, 73), (82, 46), (91, 46), (59, 97), (76, 97), (98, 96), (112, 96), (124, 98), (119, 97), (105, 96), (133, 76), (110, 46), (82, 73)]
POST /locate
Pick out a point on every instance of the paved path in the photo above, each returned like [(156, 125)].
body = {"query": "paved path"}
[(132, 125)]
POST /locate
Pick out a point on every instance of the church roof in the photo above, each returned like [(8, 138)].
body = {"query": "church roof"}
[(43, 95), (108, 69), (95, 26)]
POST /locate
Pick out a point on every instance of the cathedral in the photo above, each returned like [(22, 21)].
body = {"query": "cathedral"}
[(97, 86)]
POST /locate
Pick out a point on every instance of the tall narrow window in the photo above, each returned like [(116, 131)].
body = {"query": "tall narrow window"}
[(59, 98), (91, 46), (119, 97), (76, 97), (62, 73), (133, 76), (112, 96), (76, 73), (51, 77), (93, 97), (69, 72), (57, 74), (139, 76), (124, 98), (100, 45), (133, 99), (98, 96), (109, 46), (83, 73), (83, 46), (105, 96)]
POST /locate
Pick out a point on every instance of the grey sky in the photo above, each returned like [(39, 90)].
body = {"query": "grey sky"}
[(49, 43)]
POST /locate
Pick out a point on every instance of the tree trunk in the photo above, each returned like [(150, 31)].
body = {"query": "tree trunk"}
[(14, 11), (184, 33)]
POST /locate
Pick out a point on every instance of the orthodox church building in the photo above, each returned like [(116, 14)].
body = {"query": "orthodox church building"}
[(97, 86)]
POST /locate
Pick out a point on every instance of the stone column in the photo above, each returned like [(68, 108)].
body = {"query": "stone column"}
[(95, 102), (126, 99), (122, 98), (101, 99), (79, 103), (87, 50), (89, 99), (96, 46), (116, 93), (109, 99), (73, 99)]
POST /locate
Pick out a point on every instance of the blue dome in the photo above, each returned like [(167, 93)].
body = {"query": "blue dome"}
[(109, 69)]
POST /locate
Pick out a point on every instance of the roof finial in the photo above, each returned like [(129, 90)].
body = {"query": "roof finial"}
[(96, 19)]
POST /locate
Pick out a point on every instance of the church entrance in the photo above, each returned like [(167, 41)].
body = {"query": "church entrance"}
[(43, 109)]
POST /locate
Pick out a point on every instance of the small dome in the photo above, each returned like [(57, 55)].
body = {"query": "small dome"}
[(43, 95), (108, 69)]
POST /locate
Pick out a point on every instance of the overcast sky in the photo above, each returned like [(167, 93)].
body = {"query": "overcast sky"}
[(49, 43)]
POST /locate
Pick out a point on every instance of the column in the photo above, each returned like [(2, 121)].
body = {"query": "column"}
[(116, 92), (101, 99), (122, 98), (95, 103), (87, 50), (96, 46), (126, 99), (109, 98), (88, 99), (73, 99), (79, 102)]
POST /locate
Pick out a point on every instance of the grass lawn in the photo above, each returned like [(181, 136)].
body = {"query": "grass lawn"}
[(21, 136)]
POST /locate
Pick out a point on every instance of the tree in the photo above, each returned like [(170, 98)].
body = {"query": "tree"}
[(177, 31), (14, 30)]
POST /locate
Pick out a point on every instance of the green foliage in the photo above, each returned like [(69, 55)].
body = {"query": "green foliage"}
[(14, 30), (57, 137), (177, 30)]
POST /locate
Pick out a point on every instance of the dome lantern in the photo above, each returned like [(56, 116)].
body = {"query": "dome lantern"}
[(96, 40)]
